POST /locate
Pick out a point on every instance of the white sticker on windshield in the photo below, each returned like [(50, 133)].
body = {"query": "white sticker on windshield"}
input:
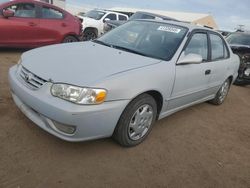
[(169, 29)]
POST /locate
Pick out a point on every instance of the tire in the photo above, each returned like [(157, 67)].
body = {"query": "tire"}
[(240, 82), (69, 39), (222, 93), (89, 34), (136, 121)]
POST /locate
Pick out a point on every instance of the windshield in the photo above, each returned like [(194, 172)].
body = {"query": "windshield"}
[(151, 39), (239, 38), (97, 15)]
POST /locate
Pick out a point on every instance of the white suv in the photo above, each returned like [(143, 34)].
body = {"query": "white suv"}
[(93, 22)]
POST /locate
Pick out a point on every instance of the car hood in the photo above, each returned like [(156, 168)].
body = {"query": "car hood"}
[(88, 20), (83, 63)]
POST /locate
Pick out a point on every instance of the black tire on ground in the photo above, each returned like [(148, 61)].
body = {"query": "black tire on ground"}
[(89, 34), (69, 39), (142, 108), (222, 93), (240, 82)]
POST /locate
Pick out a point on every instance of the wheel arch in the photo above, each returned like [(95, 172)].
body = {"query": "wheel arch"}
[(157, 96)]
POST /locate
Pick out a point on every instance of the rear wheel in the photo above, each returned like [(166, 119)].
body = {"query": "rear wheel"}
[(222, 93), (69, 39), (136, 121)]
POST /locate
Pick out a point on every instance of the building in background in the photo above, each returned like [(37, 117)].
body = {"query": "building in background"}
[(195, 18)]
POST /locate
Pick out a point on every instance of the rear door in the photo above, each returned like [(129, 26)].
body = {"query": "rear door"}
[(22, 29), (191, 82), (53, 25), (219, 61)]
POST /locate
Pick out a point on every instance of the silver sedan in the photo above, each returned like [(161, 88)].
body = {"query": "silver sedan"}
[(121, 83)]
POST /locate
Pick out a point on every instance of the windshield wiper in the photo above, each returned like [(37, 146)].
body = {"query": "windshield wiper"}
[(101, 42), (129, 50)]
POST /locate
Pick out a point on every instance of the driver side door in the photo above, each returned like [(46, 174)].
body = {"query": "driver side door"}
[(192, 80)]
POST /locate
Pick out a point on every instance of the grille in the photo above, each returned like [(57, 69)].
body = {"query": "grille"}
[(31, 80)]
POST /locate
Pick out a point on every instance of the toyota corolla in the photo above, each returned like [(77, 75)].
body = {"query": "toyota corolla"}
[(121, 83)]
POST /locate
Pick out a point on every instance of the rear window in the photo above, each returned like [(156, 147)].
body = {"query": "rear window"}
[(50, 13)]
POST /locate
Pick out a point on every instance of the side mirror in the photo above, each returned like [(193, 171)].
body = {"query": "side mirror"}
[(8, 13), (189, 59), (106, 19)]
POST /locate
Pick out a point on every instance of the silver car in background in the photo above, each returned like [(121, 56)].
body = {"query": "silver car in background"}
[(121, 83)]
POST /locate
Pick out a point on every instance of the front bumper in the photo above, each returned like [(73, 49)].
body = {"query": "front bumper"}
[(91, 121)]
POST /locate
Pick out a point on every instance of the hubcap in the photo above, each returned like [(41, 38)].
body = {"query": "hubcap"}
[(140, 122), (223, 91), (90, 36)]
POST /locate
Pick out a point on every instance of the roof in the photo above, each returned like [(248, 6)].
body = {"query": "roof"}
[(182, 16), (108, 11)]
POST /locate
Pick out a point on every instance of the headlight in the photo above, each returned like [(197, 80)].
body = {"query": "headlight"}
[(78, 95)]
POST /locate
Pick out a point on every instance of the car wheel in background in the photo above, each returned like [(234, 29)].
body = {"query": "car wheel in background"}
[(222, 93), (89, 34), (240, 82), (136, 121), (69, 39)]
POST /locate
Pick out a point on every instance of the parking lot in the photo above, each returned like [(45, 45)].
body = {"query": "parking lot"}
[(202, 146)]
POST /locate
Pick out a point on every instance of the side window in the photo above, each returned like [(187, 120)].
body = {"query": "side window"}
[(198, 45), (121, 17), (217, 47), (50, 13), (111, 16), (23, 10)]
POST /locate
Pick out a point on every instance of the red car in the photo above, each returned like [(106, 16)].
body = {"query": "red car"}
[(28, 24)]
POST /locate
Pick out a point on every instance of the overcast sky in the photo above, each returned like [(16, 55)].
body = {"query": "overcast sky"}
[(227, 13)]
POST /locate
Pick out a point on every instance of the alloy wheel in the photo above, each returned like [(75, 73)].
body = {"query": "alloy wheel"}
[(140, 122)]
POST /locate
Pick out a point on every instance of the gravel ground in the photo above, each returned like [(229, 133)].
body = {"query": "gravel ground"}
[(202, 146)]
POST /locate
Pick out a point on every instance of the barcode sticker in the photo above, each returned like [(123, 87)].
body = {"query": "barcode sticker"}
[(169, 29)]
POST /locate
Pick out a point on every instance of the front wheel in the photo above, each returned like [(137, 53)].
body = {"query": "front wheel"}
[(89, 34), (222, 93), (136, 121)]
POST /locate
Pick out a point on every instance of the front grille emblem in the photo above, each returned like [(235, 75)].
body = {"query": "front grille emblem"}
[(28, 77)]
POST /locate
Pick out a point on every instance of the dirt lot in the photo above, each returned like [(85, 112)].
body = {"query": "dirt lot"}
[(203, 146)]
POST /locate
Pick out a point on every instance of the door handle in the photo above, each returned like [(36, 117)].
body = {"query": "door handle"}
[(32, 24), (207, 72)]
